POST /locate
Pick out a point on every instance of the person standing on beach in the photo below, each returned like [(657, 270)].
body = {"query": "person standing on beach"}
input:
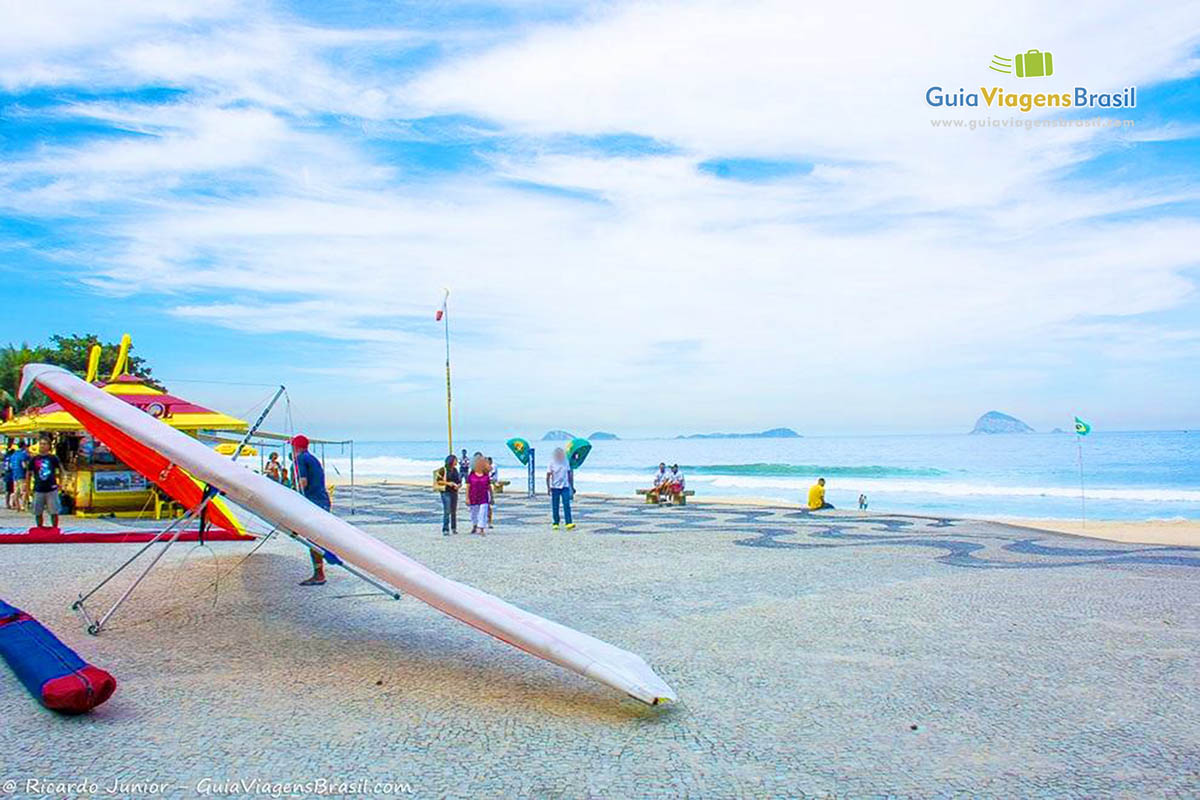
[(479, 488), (560, 483), (19, 464), (447, 481), (44, 472), (493, 479), (310, 479), (816, 496), (10, 488), (272, 470)]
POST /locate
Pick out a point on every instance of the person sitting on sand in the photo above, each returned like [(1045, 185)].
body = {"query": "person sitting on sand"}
[(310, 476), (816, 496), (447, 481), (560, 483), (479, 489)]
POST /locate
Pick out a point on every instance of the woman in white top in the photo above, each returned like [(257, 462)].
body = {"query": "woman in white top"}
[(561, 486)]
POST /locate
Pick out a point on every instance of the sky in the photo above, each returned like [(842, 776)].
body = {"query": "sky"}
[(653, 218)]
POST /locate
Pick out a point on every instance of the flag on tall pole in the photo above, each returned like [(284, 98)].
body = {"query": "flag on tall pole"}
[(443, 317), (1081, 429)]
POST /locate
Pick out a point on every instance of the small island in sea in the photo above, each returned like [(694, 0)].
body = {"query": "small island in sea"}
[(773, 433), (997, 422), (603, 436), (557, 436)]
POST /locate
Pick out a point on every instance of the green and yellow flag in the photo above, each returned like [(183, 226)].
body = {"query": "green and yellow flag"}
[(520, 449), (1081, 427)]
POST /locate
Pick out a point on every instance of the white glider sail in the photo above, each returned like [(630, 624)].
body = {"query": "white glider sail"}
[(569, 648)]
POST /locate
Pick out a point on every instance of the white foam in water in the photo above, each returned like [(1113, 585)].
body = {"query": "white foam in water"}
[(383, 467), (411, 468)]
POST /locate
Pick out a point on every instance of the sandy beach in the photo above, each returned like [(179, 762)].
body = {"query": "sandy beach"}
[(856, 655), (1167, 532)]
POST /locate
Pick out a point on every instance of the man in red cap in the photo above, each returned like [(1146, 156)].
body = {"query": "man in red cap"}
[(310, 478)]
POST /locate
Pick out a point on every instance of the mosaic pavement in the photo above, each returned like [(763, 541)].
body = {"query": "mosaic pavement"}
[(815, 655), (960, 543)]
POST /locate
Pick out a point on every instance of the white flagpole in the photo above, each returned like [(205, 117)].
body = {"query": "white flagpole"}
[(1082, 501), (449, 418)]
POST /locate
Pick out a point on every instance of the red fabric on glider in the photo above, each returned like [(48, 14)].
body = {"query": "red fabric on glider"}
[(153, 465), (57, 536)]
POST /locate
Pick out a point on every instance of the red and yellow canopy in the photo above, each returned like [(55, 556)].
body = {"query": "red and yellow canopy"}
[(172, 410)]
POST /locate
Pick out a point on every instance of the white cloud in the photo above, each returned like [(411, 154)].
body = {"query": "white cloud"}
[(906, 252)]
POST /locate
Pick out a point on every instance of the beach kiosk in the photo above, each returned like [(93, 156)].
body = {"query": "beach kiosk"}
[(96, 483)]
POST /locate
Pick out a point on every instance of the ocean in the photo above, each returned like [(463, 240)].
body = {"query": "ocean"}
[(1127, 475)]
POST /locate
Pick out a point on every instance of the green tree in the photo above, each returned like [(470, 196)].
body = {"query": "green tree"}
[(68, 352)]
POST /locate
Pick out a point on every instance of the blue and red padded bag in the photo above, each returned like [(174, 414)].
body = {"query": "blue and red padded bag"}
[(52, 672)]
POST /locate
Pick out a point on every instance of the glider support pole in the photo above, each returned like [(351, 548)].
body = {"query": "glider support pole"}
[(258, 422), (78, 604), (94, 628), (97, 626), (333, 559)]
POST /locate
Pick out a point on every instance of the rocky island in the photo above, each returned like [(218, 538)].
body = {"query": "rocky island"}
[(773, 433), (996, 422)]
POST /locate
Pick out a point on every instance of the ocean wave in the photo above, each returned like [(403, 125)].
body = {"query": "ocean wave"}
[(787, 480), (383, 466), (756, 486), (814, 470)]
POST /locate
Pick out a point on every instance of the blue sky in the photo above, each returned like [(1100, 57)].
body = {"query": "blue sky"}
[(654, 218)]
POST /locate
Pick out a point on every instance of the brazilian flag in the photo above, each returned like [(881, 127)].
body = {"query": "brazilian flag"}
[(1081, 427), (577, 451), (520, 449)]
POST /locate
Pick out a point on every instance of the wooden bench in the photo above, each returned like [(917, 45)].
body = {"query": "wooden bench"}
[(679, 498)]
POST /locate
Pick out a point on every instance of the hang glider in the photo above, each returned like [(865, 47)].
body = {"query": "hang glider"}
[(161, 447)]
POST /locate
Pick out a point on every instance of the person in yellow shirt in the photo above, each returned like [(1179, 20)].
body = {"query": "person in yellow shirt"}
[(816, 496)]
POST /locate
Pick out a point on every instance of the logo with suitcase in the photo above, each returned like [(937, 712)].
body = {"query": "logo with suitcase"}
[(1030, 64)]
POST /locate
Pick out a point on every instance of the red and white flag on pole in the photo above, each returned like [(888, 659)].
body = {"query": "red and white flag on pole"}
[(440, 313)]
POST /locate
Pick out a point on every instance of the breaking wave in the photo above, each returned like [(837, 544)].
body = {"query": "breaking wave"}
[(814, 470)]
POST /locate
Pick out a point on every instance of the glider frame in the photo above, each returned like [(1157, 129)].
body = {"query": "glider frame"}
[(95, 626)]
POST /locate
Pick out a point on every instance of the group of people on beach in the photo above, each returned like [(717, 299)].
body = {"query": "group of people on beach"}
[(667, 484), (481, 479), (32, 478), (276, 470)]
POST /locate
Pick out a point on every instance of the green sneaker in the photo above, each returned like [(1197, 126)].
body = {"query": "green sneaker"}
[(570, 526), (554, 526)]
